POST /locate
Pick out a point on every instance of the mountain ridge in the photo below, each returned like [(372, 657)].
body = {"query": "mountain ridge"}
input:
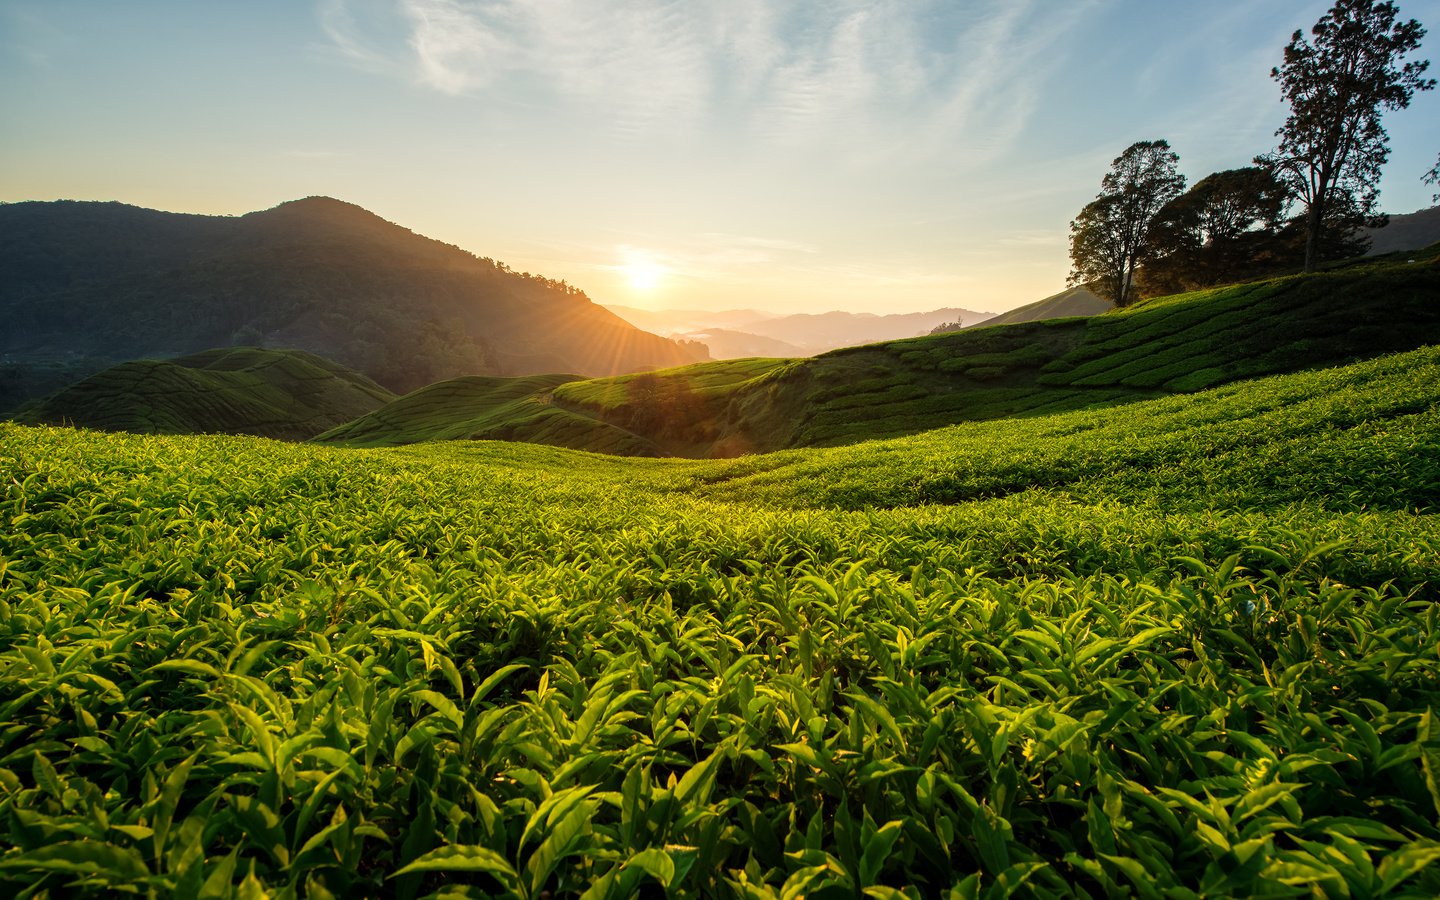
[(108, 282), (737, 333)]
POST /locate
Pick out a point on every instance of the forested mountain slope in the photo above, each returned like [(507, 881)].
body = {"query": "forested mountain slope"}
[(89, 284)]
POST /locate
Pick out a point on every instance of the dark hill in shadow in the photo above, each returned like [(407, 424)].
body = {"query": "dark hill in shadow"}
[(286, 394), (89, 284)]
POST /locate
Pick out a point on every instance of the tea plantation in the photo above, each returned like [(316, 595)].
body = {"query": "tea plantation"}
[(1185, 647)]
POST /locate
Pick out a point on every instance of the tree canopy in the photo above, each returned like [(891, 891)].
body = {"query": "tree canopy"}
[(1225, 228), (1110, 236), (1332, 146)]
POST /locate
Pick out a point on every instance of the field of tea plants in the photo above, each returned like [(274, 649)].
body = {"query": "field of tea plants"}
[(1181, 648), (286, 394), (1163, 346)]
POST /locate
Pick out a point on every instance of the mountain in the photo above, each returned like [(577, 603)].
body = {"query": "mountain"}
[(1162, 346), (726, 344), (1412, 231), (670, 322), (745, 332), (817, 333), (88, 284), (287, 394), (1076, 301)]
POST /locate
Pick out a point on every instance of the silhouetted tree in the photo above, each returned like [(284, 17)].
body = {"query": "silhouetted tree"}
[(1433, 177), (1332, 147), (1225, 228), (1110, 236)]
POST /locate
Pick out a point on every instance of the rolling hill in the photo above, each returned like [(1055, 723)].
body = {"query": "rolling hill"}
[(1167, 345), (91, 284), (1075, 301), (287, 394), (1185, 648), (481, 408)]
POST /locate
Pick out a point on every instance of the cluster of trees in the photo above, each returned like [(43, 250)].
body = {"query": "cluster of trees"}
[(1145, 234)]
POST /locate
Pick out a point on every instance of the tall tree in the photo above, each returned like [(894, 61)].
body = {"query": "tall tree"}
[(1110, 236), (1225, 228), (1332, 146), (1433, 177)]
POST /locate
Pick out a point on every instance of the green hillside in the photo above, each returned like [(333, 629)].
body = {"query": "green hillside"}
[(286, 394), (1164, 346), (479, 408), (1071, 302), (1187, 647)]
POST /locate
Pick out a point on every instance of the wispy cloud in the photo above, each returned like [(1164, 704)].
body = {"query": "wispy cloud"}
[(31, 36), (865, 79)]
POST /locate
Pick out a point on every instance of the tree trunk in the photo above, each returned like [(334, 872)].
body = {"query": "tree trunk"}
[(1312, 236)]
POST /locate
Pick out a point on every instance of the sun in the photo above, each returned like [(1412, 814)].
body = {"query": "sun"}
[(643, 275), (642, 272)]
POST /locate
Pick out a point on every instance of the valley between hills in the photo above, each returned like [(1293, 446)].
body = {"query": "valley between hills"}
[(437, 596)]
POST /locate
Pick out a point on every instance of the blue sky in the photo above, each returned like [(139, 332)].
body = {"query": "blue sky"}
[(889, 156)]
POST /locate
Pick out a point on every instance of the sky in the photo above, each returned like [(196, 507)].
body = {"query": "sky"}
[(783, 155)]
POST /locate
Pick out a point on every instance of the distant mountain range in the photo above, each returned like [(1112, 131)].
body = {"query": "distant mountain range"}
[(87, 284), (670, 322), (736, 333), (1410, 231)]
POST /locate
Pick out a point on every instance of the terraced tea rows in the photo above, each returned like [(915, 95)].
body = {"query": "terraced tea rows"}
[(1188, 648), (285, 394), (1169, 345)]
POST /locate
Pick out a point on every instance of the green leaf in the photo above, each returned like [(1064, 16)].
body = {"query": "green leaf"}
[(218, 883), (462, 858), (442, 704), (188, 666), (877, 850), (805, 754), (493, 679), (656, 862), (882, 717), (557, 844), (698, 781), (1405, 863), (90, 858)]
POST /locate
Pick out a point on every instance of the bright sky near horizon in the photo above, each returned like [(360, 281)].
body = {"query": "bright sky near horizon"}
[(785, 155)]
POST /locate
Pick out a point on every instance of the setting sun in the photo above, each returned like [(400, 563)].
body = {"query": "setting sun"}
[(641, 272)]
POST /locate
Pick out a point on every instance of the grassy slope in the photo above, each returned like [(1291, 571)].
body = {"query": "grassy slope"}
[(480, 408), (285, 394), (1069, 303), (1190, 644), (1168, 345), (1172, 344)]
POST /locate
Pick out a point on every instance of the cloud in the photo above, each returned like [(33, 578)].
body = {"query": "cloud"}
[(866, 79), (30, 35)]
